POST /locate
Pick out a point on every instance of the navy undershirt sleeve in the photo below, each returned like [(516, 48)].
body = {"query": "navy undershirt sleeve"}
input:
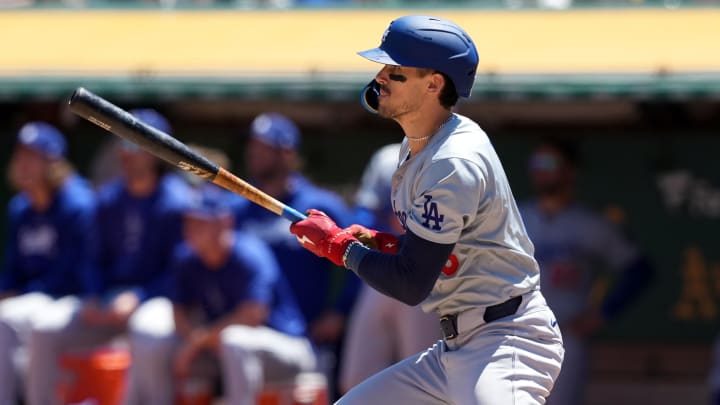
[(408, 276)]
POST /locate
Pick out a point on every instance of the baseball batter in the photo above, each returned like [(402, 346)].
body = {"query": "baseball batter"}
[(465, 254)]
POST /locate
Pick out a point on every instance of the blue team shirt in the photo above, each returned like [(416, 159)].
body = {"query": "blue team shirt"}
[(250, 274), (136, 237), (310, 276), (50, 251)]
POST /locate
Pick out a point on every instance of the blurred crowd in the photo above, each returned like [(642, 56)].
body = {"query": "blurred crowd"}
[(196, 281), (205, 289)]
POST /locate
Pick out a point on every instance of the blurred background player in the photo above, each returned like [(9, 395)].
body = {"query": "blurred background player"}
[(272, 165), (138, 224), (230, 303), (713, 381), (48, 247), (394, 329), (574, 246)]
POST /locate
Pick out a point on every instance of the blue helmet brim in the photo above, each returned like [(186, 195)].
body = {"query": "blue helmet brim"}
[(379, 56)]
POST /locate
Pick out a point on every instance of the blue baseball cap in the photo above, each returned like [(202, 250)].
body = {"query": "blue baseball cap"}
[(152, 118), (44, 138), (209, 202), (276, 130)]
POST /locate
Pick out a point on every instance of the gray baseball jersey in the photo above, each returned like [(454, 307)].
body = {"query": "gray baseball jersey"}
[(456, 191)]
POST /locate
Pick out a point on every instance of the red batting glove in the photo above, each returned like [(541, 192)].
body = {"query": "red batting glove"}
[(319, 234), (382, 241)]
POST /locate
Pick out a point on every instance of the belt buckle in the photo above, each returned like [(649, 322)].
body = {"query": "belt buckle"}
[(448, 326)]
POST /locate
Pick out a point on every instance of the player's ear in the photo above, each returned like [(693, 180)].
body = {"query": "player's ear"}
[(436, 83)]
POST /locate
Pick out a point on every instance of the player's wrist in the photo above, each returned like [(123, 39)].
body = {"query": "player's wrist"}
[(337, 246), (355, 255), (198, 337), (347, 252), (387, 242)]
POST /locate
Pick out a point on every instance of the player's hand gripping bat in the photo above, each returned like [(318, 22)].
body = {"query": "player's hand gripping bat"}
[(123, 124)]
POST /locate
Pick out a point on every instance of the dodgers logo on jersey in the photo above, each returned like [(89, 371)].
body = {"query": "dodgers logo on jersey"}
[(431, 214)]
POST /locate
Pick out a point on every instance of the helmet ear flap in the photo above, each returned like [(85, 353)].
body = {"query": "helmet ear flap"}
[(369, 96)]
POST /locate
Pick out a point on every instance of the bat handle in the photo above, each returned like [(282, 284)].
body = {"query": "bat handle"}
[(229, 181), (292, 214)]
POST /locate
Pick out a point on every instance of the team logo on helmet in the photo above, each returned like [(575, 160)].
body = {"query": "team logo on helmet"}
[(385, 34)]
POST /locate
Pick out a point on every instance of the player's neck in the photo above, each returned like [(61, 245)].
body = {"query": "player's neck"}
[(420, 129), (40, 198), (554, 203), (142, 186), (218, 257)]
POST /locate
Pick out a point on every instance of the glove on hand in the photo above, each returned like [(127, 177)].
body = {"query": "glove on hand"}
[(319, 234), (382, 241)]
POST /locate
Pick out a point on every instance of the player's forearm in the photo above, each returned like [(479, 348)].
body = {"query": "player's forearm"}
[(183, 326), (408, 276)]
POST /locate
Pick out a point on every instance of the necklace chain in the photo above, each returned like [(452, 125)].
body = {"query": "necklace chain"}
[(422, 138)]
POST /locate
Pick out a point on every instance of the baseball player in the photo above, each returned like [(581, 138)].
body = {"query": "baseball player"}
[(405, 330), (230, 303), (272, 164), (48, 246), (713, 381), (136, 227), (574, 245), (465, 254)]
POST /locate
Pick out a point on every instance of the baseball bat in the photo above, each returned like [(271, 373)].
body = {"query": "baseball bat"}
[(123, 124)]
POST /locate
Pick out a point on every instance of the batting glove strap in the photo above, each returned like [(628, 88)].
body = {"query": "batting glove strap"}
[(387, 242), (337, 246)]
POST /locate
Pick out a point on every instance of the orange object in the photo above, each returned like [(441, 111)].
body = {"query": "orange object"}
[(306, 389), (97, 375), (193, 400)]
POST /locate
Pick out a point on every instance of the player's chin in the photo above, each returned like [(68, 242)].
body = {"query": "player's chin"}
[(385, 112)]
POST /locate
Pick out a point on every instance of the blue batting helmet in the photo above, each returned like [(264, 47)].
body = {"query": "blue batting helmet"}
[(208, 201), (429, 43), (43, 138), (275, 130), (152, 118)]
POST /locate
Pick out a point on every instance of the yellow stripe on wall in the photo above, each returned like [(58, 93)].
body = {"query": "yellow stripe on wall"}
[(268, 42)]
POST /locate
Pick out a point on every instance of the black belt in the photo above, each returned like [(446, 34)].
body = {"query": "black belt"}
[(448, 323)]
